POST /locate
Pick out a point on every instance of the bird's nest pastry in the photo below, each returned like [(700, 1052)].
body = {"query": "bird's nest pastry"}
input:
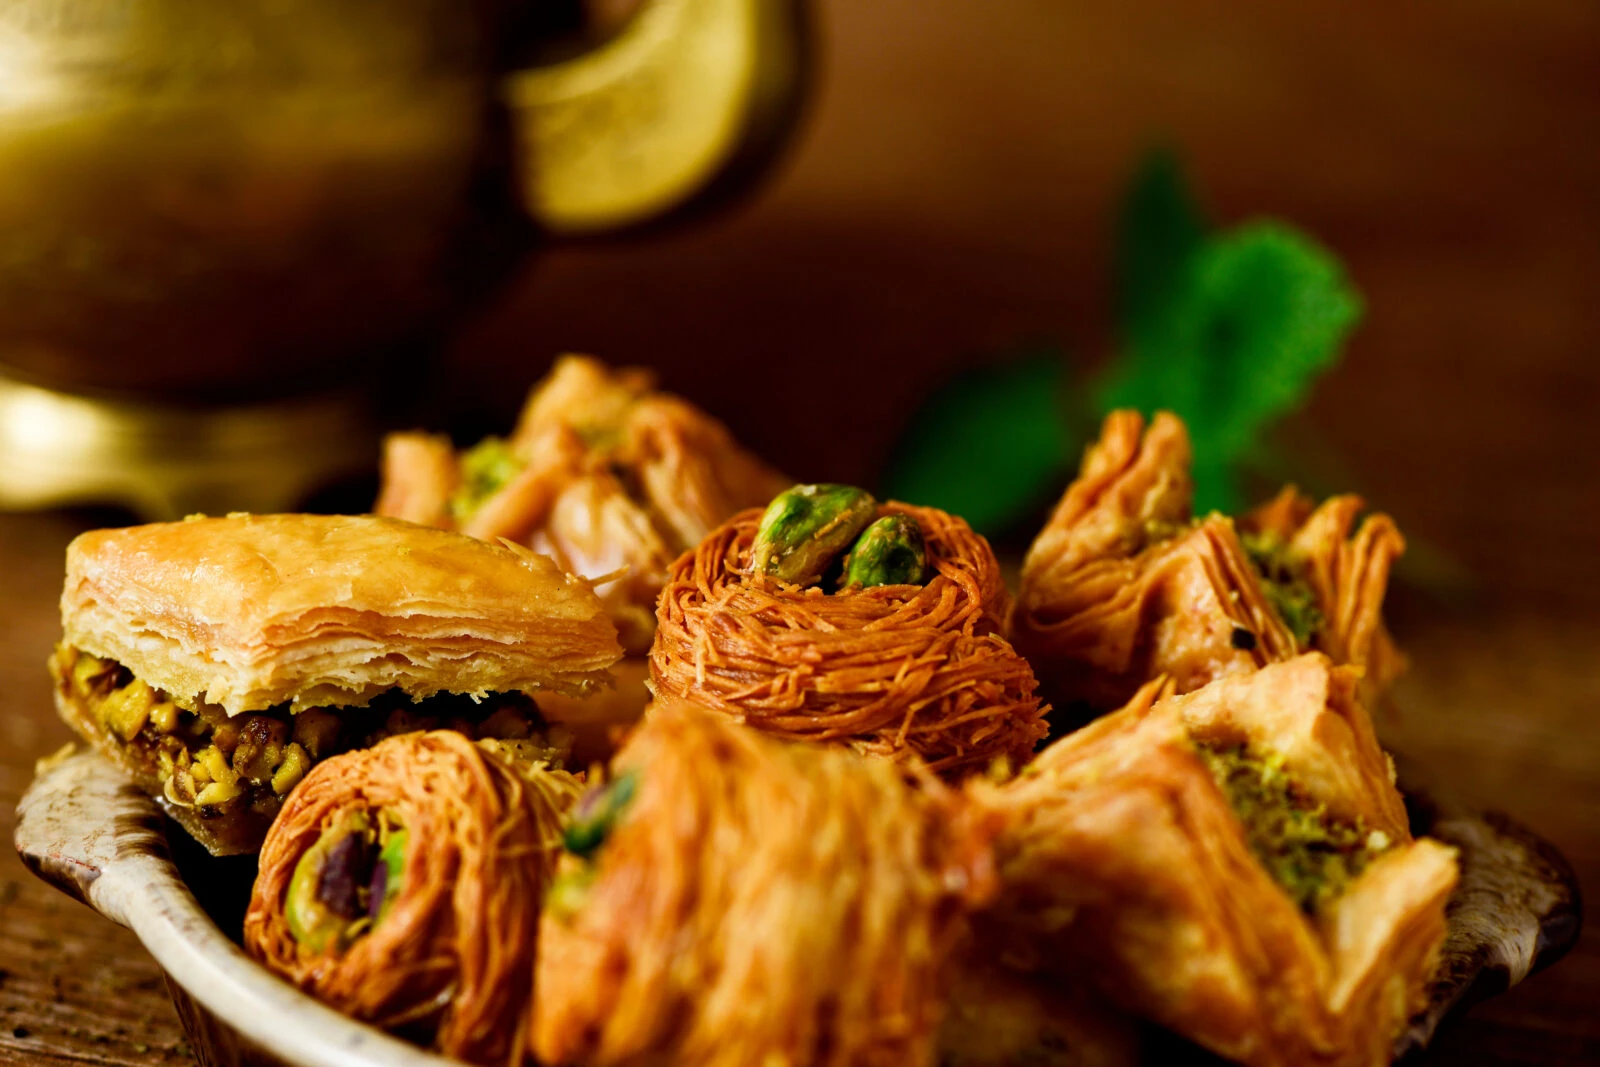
[(401, 885), (1233, 864), (607, 475), (733, 899), (219, 659), (903, 658), (1123, 584)]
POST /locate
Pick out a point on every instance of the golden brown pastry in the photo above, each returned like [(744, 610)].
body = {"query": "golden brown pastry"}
[(603, 473), (1346, 563), (903, 670), (1233, 864), (1122, 585), (217, 659), (401, 885), (732, 899)]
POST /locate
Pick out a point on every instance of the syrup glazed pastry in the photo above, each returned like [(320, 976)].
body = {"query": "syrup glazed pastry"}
[(401, 885), (602, 473), (1123, 585), (832, 617), (1233, 864), (218, 659), (732, 899)]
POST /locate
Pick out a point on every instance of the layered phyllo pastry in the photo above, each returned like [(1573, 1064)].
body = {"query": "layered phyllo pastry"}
[(218, 660)]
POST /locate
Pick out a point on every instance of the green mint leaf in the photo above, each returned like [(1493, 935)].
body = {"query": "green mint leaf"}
[(990, 445), (1159, 230), (1254, 318)]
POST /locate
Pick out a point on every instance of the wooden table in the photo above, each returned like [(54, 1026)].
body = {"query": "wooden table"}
[(951, 196)]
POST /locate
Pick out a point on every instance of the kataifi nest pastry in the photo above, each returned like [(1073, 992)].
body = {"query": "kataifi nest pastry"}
[(1233, 864), (1124, 584), (899, 656), (218, 659), (401, 884)]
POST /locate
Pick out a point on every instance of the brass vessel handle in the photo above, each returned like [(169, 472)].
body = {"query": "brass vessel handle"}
[(692, 95)]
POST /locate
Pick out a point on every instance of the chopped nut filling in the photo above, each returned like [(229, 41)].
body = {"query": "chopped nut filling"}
[(1283, 581), (1312, 854), (204, 759)]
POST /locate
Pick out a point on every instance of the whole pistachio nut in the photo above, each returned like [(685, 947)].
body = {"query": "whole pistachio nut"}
[(385, 887), (806, 528), (323, 898), (889, 552), (596, 814)]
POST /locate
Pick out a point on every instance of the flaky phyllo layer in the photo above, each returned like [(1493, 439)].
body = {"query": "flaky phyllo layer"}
[(1124, 584), (1234, 864), (250, 611), (218, 658)]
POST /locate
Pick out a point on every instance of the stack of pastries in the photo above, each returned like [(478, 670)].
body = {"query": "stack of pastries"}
[(834, 836)]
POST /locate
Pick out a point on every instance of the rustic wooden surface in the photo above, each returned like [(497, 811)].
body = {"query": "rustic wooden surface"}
[(951, 195)]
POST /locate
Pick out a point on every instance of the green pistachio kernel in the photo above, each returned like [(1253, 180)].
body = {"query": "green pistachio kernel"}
[(386, 876), (889, 552), (596, 815), (806, 528), (324, 896)]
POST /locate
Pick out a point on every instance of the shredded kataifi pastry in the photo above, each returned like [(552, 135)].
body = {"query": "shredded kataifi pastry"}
[(401, 885), (895, 670)]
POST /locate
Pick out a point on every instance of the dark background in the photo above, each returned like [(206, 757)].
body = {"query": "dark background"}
[(953, 192), (951, 195)]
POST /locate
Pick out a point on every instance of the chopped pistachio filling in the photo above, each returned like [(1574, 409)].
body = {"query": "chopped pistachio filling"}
[(205, 759), (486, 468), (1313, 855), (1284, 583)]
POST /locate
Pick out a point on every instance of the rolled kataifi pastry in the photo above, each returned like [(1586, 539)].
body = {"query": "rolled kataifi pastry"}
[(1233, 864), (731, 899), (832, 617), (1123, 584), (402, 884), (217, 660)]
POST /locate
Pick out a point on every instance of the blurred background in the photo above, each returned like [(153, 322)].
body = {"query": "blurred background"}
[(949, 198)]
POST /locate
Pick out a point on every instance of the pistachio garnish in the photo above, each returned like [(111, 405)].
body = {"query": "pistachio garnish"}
[(805, 529), (889, 552), (323, 898), (596, 815), (384, 889)]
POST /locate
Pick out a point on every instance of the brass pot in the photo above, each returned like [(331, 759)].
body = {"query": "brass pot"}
[(234, 202)]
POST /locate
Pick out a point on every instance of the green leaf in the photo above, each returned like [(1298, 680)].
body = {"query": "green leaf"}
[(1158, 232), (990, 445), (1251, 322)]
